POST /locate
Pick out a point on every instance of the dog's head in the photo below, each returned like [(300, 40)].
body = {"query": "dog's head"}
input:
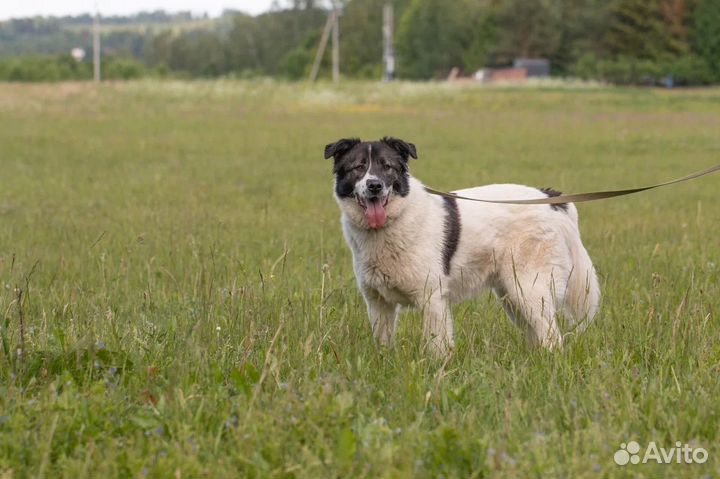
[(370, 177)]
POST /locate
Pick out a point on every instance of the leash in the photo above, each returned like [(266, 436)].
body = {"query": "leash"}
[(579, 197)]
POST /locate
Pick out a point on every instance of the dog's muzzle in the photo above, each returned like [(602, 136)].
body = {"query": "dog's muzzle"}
[(374, 208)]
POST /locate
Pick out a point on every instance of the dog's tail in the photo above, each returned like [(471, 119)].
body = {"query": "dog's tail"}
[(582, 296)]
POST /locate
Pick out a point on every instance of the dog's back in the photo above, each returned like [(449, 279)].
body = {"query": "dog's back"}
[(536, 236)]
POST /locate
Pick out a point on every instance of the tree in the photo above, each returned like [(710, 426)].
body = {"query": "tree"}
[(243, 44), (529, 29), (361, 38), (706, 34), (261, 43), (296, 63), (199, 53), (640, 29), (583, 26), (434, 35)]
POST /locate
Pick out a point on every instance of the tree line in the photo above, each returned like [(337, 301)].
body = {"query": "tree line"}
[(621, 41)]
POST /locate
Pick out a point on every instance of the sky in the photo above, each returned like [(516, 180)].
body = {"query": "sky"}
[(27, 8)]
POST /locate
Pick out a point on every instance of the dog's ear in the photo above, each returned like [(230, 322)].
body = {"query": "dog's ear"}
[(403, 147), (340, 147)]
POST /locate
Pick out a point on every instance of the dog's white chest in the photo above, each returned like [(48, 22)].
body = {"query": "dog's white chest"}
[(384, 268), (388, 286)]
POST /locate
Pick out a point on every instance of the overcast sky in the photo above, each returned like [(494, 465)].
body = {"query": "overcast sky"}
[(26, 8)]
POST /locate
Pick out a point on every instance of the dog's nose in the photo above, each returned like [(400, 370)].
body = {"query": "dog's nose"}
[(374, 186)]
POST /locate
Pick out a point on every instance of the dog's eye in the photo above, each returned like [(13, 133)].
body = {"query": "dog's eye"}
[(359, 167)]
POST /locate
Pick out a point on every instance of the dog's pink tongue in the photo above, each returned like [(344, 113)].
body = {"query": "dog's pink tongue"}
[(375, 214)]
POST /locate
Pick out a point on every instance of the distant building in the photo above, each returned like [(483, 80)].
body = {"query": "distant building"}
[(491, 75), (536, 67), (521, 70), (508, 75)]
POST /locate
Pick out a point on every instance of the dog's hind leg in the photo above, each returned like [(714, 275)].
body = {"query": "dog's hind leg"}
[(501, 296), (529, 302), (582, 298), (383, 317)]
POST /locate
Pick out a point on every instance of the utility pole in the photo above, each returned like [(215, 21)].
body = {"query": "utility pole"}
[(388, 49), (336, 47), (321, 48), (96, 45), (331, 26)]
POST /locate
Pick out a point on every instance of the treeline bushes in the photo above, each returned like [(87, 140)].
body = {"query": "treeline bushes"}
[(658, 41), (620, 41), (634, 71), (65, 68), (273, 44), (54, 35)]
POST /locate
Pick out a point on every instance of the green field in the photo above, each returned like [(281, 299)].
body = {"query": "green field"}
[(189, 308)]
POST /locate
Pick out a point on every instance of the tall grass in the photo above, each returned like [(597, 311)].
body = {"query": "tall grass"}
[(189, 308)]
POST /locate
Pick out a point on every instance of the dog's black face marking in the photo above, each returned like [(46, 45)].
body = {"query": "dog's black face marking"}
[(385, 161), (403, 148), (340, 147), (452, 232), (553, 193)]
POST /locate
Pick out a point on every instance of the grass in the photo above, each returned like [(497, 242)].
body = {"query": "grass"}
[(189, 308)]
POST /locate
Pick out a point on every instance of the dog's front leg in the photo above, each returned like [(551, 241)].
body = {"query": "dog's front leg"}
[(383, 316), (438, 325)]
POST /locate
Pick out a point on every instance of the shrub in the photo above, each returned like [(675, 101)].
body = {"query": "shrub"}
[(64, 68), (123, 69), (295, 64), (686, 70), (43, 68)]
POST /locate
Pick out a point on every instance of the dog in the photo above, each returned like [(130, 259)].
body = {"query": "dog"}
[(414, 249)]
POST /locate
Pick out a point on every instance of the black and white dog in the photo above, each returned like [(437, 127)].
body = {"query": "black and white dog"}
[(412, 248)]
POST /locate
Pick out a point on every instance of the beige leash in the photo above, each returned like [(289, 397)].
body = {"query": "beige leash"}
[(579, 197)]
